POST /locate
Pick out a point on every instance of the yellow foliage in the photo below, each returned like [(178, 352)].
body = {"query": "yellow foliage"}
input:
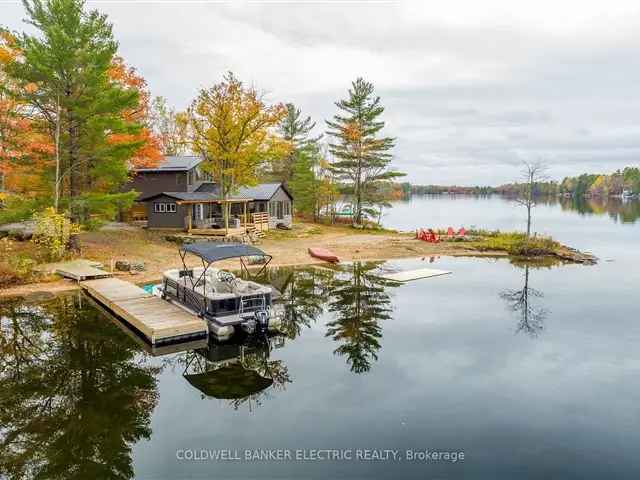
[(53, 231), (234, 130)]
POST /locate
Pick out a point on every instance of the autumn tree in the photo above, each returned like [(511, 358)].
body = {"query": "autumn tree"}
[(149, 152), (362, 154), (24, 147), (233, 129), (70, 61), (170, 126)]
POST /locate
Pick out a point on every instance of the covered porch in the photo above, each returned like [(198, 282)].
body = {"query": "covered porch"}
[(205, 217)]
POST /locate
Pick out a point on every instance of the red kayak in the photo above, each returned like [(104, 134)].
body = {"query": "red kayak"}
[(323, 254)]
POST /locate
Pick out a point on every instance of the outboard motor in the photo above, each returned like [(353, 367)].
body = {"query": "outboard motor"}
[(262, 317)]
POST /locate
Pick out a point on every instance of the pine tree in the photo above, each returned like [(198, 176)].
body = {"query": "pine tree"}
[(363, 156), (69, 63), (295, 130), (304, 185)]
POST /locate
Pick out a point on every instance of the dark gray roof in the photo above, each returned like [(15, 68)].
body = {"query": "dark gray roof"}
[(173, 163), (208, 191), (209, 187), (263, 191), (213, 251), (193, 196)]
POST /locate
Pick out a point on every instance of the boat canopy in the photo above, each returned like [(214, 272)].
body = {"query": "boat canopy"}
[(213, 251), (210, 252)]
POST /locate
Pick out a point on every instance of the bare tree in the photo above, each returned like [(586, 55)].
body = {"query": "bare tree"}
[(532, 174)]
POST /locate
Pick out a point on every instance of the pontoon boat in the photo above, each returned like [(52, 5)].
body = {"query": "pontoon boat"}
[(225, 301)]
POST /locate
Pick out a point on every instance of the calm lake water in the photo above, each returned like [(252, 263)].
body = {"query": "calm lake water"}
[(531, 372)]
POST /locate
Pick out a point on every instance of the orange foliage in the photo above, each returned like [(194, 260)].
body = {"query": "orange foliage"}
[(149, 153), (25, 150)]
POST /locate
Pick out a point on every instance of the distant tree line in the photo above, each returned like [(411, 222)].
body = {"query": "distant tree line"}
[(617, 183)]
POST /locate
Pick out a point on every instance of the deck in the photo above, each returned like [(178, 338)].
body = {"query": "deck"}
[(158, 321)]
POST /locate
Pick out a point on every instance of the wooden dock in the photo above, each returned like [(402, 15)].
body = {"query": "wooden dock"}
[(160, 322), (79, 269)]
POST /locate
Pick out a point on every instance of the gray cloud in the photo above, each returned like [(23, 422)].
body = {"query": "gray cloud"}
[(469, 88)]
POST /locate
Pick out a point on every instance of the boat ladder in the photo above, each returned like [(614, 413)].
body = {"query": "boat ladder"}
[(247, 303)]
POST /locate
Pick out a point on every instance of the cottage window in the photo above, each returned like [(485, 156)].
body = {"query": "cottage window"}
[(164, 207), (287, 208)]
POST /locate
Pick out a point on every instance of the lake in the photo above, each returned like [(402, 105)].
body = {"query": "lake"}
[(508, 371)]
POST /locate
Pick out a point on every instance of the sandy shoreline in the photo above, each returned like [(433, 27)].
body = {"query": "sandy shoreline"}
[(288, 248)]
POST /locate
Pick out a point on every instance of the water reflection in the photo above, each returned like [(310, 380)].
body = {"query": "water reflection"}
[(355, 294), (241, 372), (525, 304), (75, 394), (618, 209), (359, 301), (303, 293)]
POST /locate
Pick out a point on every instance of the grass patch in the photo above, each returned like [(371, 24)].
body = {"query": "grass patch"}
[(517, 244)]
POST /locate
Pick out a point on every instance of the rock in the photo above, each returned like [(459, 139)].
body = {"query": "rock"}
[(123, 266), (18, 230), (138, 267)]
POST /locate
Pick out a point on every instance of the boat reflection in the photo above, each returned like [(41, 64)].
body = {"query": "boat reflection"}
[(241, 372)]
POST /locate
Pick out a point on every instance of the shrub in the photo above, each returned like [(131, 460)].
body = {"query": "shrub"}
[(15, 269), (53, 231), (518, 244)]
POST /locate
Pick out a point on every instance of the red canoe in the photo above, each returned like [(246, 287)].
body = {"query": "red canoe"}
[(324, 254)]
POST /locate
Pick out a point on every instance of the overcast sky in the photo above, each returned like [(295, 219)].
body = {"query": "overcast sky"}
[(470, 88)]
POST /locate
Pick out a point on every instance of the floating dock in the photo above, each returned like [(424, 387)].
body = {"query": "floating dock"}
[(79, 269), (160, 322)]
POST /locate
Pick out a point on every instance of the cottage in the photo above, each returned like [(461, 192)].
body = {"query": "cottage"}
[(178, 195)]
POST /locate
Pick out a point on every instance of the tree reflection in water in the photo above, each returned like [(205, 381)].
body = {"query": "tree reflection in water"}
[(360, 301), (523, 303), (75, 393), (303, 292), (355, 294)]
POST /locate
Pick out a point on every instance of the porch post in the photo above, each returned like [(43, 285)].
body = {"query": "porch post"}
[(246, 222)]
